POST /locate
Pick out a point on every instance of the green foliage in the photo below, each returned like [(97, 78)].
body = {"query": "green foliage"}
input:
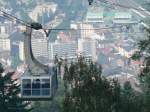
[(46, 106), (131, 100), (88, 91), (144, 54), (9, 91), (136, 55)]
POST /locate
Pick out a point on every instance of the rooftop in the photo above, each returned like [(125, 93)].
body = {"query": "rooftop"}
[(126, 15), (124, 21), (94, 13)]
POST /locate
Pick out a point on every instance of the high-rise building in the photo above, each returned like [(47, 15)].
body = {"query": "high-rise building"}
[(21, 51), (39, 44), (4, 42), (87, 47), (39, 47), (76, 33), (62, 50), (87, 31), (6, 27)]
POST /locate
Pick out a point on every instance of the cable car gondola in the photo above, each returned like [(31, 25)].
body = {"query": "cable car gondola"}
[(39, 82)]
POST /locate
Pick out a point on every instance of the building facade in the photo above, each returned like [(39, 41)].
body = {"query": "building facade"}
[(21, 51), (87, 47), (62, 50), (4, 42)]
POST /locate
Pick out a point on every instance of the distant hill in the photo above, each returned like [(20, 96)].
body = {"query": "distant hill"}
[(21, 8)]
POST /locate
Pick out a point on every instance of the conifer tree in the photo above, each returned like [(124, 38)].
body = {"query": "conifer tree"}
[(131, 100), (90, 92), (9, 91), (144, 55)]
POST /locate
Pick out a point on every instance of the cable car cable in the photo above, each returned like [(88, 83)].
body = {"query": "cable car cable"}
[(46, 30)]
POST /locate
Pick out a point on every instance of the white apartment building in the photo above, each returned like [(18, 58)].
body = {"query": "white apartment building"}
[(62, 50), (87, 47), (70, 50), (87, 31), (2, 29), (6, 27), (123, 18), (4, 42), (39, 44), (21, 51), (39, 48)]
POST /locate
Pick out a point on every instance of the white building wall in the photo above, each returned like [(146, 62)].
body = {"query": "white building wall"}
[(21, 51), (85, 33), (3, 29), (87, 47), (39, 44), (4, 42), (39, 47), (62, 49)]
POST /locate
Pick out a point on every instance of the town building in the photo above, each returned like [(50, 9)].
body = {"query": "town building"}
[(21, 51), (86, 30), (123, 18), (4, 42), (87, 47), (6, 27), (94, 15), (62, 50), (39, 44)]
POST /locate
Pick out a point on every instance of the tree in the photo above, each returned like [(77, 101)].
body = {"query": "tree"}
[(131, 100), (90, 92), (9, 91), (144, 55)]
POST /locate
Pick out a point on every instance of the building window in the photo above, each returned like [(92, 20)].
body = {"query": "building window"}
[(45, 87), (26, 87), (36, 87)]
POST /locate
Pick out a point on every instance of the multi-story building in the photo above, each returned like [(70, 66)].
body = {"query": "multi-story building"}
[(95, 15), (76, 33), (86, 30), (87, 47), (62, 50), (21, 51), (4, 42), (6, 27), (39, 44), (123, 18)]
